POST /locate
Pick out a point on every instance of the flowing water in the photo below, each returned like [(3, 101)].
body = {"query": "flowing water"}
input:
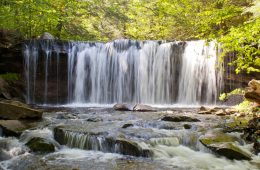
[(92, 139), (153, 72)]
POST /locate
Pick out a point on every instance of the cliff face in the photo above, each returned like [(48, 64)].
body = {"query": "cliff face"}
[(11, 65), (233, 80)]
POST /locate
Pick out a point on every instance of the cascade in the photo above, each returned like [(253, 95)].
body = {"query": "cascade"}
[(151, 72)]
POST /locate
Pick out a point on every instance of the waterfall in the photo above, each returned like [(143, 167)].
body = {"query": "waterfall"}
[(152, 72)]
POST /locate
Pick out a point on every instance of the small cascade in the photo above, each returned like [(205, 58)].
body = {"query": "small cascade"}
[(103, 143), (152, 72)]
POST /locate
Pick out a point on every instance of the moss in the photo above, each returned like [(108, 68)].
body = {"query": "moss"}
[(9, 76), (218, 138)]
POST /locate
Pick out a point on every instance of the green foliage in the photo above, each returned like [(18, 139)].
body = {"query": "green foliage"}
[(9, 76), (233, 23), (245, 106), (223, 97)]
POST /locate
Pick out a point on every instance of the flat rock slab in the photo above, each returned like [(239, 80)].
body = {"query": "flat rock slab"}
[(14, 110), (15, 127)]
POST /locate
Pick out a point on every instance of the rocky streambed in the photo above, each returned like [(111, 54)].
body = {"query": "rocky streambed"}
[(124, 138)]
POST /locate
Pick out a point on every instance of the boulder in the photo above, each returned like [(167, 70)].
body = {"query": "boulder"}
[(122, 107), (224, 145), (203, 108), (179, 119), (234, 99), (14, 110), (127, 147), (47, 36), (15, 127), (40, 145), (143, 108), (127, 125), (253, 91), (229, 150)]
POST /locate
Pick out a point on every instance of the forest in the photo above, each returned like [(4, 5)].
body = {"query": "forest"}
[(232, 23)]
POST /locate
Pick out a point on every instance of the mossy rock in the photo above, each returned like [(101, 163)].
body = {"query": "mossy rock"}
[(223, 145), (229, 150), (40, 145)]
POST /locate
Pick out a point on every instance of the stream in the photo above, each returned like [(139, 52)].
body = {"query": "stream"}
[(102, 138)]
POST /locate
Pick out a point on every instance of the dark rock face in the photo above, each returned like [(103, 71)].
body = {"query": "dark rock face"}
[(40, 145), (14, 110), (143, 108), (122, 107), (223, 145), (180, 119)]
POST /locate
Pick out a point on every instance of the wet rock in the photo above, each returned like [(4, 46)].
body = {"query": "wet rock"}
[(179, 119), (252, 133), (143, 108), (224, 145), (47, 36), (14, 110), (187, 126), (230, 151), (15, 127), (253, 92), (95, 119), (127, 125), (40, 145), (128, 147), (4, 155), (122, 107), (206, 112)]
